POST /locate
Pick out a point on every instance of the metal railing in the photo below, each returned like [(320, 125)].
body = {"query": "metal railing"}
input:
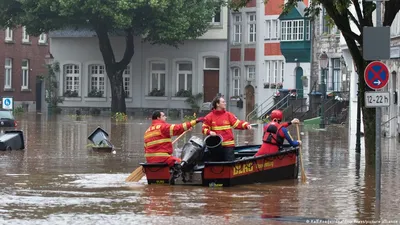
[(259, 109)]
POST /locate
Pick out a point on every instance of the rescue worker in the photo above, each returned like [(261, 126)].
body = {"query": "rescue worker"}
[(220, 122), (275, 133), (157, 138)]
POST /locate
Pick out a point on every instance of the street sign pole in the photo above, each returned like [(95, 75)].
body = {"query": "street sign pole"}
[(385, 54), (378, 135)]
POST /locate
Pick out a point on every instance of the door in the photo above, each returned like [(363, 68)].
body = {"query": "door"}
[(211, 84), (250, 99), (38, 94), (299, 82)]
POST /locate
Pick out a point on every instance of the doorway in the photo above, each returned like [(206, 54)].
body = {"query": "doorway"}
[(250, 99), (299, 82)]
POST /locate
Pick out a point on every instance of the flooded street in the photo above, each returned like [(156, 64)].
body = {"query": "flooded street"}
[(57, 179)]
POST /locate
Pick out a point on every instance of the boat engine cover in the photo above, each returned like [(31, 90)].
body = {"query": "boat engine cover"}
[(192, 152)]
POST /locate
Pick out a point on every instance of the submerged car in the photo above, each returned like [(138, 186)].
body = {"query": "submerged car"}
[(7, 119)]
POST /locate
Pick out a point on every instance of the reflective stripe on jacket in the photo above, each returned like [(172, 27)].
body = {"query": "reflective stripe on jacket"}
[(157, 138), (222, 122)]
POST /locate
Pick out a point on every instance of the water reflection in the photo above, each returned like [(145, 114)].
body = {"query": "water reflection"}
[(57, 178)]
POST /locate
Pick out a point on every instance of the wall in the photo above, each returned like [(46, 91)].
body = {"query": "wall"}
[(35, 53), (84, 51)]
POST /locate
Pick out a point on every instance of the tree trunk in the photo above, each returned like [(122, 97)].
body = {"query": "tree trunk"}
[(368, 113), (117, 91), (115, 69)]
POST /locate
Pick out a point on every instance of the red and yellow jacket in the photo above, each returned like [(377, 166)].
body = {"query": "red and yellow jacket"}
[(222, 122), (157, 138)]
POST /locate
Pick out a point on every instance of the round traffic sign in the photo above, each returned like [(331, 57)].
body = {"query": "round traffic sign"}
[(7, 102), (376, 75)]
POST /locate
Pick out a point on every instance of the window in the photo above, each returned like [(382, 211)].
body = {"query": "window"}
[(185, 76), (237, 28), (236, 82), (211, 63), (25, 36), (292, 30), (334, 81), (97, 78), (8, 34), (308, 31), (272, 29), (275, 71), (43, 39), (72, 78), (8, 73), (157, 77), (251, 72), (216, 20), (127, 81), (25, 74), (252, 28), (325, 25)]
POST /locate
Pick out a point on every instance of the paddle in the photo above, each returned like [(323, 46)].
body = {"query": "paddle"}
[(303, 174), (138, 173)]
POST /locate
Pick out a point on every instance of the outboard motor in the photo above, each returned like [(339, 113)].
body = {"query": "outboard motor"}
[(192, 153)]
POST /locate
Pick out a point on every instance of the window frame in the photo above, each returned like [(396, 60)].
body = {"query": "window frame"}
[(186, 75), (42, 39), (25, 75), (74, 76), (8, 34), (8, 68), (127, 78), (210, 68), (250, 75), (159, 73), (25, 35), (291, 30), (236, 81), (219, 11), (251, 23), (237, 29), (98, 75)]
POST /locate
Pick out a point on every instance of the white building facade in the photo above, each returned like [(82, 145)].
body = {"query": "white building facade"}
[(155, 78)]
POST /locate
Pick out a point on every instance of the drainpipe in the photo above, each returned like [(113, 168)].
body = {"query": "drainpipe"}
[(228, 54)]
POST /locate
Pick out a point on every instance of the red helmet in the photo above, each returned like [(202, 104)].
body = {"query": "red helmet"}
[(276, 114)]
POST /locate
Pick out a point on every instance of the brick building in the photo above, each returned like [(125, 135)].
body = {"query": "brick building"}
[(21, 62)]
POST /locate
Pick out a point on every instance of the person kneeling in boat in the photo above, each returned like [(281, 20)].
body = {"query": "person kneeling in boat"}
[(157, 138), (275, 133)]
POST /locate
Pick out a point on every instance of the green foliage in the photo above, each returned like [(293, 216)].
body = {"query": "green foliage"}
[(18, 110), (194, 101), (183, 93), (120, 117), (188, 118), (70, 93), (95, 94), (157, 92), (51, 86)]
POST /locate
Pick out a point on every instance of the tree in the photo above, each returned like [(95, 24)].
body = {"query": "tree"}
[(342, 17), (167, 22)]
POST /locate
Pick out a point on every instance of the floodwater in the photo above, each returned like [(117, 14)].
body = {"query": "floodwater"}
[(57, 179)]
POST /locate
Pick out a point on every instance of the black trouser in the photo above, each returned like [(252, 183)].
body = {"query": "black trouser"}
[(222, 154)]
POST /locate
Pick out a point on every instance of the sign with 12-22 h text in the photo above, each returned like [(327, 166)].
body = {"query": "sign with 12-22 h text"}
[(375, 99)]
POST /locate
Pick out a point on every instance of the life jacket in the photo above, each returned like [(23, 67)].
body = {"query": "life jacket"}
[(271, 134)]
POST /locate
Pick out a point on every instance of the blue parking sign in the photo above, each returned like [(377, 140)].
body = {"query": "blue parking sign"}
[(7, 103)]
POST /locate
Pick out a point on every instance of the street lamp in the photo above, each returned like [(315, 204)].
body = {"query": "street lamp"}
[(49, 59), (323, 62)]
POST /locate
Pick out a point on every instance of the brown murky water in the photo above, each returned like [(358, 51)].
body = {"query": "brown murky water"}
[(58, 180)]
